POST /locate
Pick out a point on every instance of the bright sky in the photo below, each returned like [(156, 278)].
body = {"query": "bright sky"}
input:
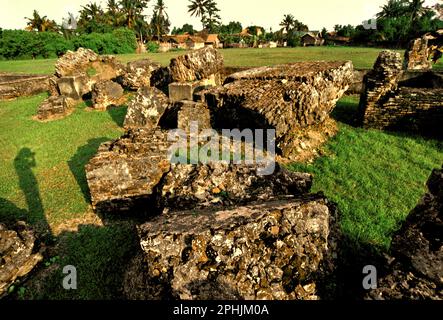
[(315, 13)]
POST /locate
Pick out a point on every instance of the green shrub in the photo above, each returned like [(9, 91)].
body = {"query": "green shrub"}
[(20, 44), (152, 46)]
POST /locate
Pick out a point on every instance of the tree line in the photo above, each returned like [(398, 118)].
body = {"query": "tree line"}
[(95, 27)]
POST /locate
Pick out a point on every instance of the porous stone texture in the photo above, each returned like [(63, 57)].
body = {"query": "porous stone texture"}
[(55, 107), (287, 98), (179, 91), (276, 250), (138, 74), (79, 71), (191, 186), (416, 270), (146, 109), (124, 173), (74, 87), (417, 55), (76, 62), (87, 62), (18, 85), (182, 114), (397, 100), (107, 93), (198, 65), (18, 254)]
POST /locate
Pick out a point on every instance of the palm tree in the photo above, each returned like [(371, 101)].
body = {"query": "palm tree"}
[(113, 16), (132, 11), (160, 19), (211, 20), (288, 22), (199, 8), (40, 24), (394, 9), (416, 9)]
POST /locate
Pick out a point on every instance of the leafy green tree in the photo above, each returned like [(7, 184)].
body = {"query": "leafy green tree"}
[(186, 28), (232, 27), (394, 9)]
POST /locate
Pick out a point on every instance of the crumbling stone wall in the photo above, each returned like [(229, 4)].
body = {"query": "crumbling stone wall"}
[(394, 100)]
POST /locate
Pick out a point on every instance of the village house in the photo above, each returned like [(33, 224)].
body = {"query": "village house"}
[(333, 39), (312, 38)]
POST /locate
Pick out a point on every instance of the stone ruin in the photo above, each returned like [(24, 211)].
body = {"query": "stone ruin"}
[(220, 230), (398, 99), (414, 269), (84, 75), (19, 253), (295, 100)]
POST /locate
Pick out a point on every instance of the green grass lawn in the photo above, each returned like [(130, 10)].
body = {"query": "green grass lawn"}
[(375, 177), (363, 58)]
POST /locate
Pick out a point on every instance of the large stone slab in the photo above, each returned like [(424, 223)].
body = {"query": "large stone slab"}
[(287, 98), (276, 250), (122, 177), (19, 85), (198, 65), (147, 108)]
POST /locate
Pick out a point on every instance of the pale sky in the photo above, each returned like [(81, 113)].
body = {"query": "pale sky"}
[(315, 13)]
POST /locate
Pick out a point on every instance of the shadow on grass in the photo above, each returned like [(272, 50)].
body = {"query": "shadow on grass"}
[(81, 158), (346, 111), (100, 256), (118, 115)]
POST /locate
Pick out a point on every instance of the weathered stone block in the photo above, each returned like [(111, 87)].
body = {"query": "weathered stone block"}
[(107, 93), (275, 251), (417, 55), (182, 113), (197, 65), (19, 254), (147, 108), (122, 177), (138, 74), (287, 98), (53, 108), (179, 91), (74, 87)]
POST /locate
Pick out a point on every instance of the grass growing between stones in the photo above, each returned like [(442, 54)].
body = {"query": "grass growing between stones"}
[(376, 178), (363, 58)]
